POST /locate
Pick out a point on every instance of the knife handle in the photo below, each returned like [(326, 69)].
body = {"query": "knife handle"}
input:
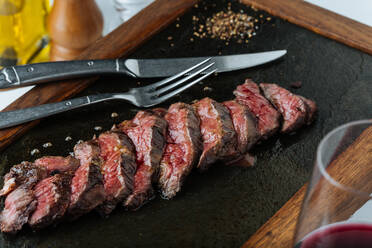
[(23, 75)]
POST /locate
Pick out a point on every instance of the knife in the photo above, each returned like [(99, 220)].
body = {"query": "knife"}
[(16, 76)]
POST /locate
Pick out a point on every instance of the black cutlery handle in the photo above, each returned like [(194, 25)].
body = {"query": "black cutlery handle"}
[(23, 75)]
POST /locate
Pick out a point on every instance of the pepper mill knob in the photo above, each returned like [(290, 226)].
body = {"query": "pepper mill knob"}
[(73, 25)]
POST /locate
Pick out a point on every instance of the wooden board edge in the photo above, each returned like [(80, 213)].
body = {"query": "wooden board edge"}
[(120, 42), (319, 20), (279, 230)]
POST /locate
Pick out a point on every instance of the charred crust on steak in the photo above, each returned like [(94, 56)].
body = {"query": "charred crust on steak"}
[(268, 119), (311, 110), (147, 131), (87, 190), (182, 150), (119, 167), (25, 173), (219, 136), (245, 125), (291, 107)]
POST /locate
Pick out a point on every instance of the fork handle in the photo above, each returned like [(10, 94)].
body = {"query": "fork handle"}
[(23, 75), (12, 118)]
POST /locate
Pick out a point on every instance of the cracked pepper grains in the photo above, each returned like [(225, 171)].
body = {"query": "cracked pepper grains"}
[(225, 25)]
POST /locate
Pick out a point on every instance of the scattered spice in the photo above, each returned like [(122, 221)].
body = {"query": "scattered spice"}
[(97, 128), (79, 142), (170, 38), (34, 151), (114, 115), (177, 25), (48, 144), (225, 25), (296, 85), (68, 138)]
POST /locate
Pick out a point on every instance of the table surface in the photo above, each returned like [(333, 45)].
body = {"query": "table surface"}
[(226, 205)]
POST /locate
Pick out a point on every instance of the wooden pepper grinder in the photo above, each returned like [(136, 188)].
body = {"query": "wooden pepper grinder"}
[(73, 25)]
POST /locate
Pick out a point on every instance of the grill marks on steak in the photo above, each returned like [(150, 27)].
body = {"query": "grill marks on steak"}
[(25, 173), (245, 125), (268, 118), (87, 190), (53, 197), (147, 131), (57, 164), (18, 206), (291, 107), (219, 136), (118, 168), (182, 150)]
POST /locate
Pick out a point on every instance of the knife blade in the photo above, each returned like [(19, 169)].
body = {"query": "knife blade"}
[(23, 75)]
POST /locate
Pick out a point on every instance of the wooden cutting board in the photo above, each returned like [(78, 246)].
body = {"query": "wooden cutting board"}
[(121, 42), (278, 231)]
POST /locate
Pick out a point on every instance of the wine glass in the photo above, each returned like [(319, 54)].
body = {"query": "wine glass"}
[(337, 209)]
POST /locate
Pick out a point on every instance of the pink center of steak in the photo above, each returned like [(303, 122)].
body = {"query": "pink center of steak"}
[(289, 105), (249, 95), (112, 171), (57, 163), (46, 195), (80, 179), (18, 205), (210, 128)]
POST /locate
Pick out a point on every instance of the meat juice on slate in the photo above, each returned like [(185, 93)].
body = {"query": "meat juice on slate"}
[(345, 235)]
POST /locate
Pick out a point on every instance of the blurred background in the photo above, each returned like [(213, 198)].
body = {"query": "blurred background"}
[(24, 25)]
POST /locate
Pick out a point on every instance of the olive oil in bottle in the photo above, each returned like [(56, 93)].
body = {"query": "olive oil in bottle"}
[(23, 31)]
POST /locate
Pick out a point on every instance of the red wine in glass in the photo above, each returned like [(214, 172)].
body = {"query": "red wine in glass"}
[(344, 235)]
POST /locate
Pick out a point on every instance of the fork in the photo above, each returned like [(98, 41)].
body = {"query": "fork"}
[(146, 96)]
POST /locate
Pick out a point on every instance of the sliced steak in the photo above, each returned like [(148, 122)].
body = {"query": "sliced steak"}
[(245, 125), (268, 118), (119, 167), (25, 173), (182, 150), (219, 136), (53, 197), (18, 206), (87, 190), (147, 131), (57, 164), (311, 109), (289, 105)]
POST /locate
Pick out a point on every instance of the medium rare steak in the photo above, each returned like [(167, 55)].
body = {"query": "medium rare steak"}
[(53, 197), (25, 173), (119, 167), (182, 150), (18, 206), (87, 190), (311, 109), (147, 131), (57, 164), (219, 136), (245, 125), (289, 105), (268, 118)]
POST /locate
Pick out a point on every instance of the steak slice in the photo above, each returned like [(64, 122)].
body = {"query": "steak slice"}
[(87, 190), (245, 125), (57, 164), (182, 150), (25, 173), (311, 109), (147, 131), (53, 197), (18, 206), (219, 136), (119, 167), (289, 105), (268, 118)]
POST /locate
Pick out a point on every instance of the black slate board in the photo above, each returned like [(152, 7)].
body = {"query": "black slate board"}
[(224, 206)]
